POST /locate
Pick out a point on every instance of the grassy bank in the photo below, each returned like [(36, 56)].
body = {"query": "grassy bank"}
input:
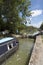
[(21, 56)]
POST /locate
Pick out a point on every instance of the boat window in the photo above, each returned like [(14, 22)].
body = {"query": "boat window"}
[(9, 46)]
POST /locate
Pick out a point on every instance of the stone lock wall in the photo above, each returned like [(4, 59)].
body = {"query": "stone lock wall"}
[(37, 54)]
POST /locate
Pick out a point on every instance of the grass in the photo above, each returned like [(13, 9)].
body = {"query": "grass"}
[(21, 56)]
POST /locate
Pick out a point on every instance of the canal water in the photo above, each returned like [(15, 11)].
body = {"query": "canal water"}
[(21, 56)]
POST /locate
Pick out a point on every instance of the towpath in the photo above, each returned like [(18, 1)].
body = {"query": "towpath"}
[(37, 54)]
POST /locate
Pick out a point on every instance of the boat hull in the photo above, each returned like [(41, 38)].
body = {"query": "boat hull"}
[(8, 53)]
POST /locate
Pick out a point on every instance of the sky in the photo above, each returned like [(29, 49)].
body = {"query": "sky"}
[(37, 13)]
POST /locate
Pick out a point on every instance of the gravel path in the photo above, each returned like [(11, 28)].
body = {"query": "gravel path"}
[(37, 54)]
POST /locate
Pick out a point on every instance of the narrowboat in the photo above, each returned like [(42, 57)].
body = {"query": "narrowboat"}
[(7, 46)]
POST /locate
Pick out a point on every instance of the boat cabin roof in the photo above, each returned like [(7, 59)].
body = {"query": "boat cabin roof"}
[(6, 39)]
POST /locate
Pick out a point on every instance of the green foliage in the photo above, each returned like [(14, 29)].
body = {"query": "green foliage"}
[(29, 30), (10, 9), (41, 27)]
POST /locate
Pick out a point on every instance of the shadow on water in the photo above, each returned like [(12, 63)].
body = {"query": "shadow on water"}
[(28, 59)]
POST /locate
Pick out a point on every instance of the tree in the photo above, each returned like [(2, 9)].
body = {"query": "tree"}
[(10, 9), (41, 27), (2, 24)]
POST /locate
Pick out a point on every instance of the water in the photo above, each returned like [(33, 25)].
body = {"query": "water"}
[(20, 57)]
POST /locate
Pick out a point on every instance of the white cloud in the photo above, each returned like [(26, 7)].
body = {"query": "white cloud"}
[(38, 24), (36, 12)]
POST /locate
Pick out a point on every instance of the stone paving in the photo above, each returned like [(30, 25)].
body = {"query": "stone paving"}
[(37, 54)]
